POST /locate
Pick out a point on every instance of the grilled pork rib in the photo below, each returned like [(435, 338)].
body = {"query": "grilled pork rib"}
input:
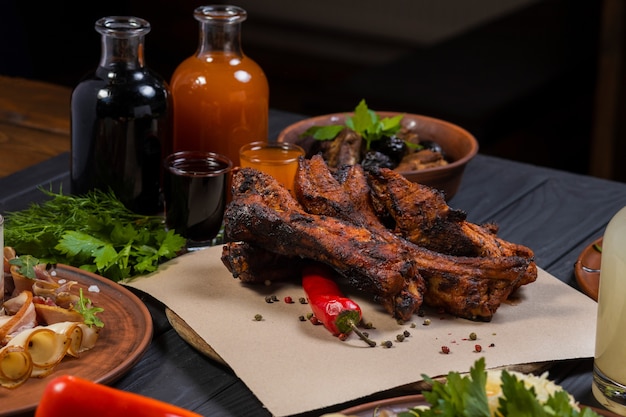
[(336, 224), (346, 194), (422, 216), (264, 214)]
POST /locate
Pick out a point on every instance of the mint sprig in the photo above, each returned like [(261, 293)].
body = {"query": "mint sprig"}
[(365, 122)]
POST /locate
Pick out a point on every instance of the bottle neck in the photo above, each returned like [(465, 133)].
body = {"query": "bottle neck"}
[(127, 53), (220, 29), (219, 37), (122, 42)]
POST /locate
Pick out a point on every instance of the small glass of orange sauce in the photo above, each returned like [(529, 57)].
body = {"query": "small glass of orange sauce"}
[(278, 159)]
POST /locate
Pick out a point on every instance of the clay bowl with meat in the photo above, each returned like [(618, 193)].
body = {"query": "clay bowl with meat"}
[(458, 145)]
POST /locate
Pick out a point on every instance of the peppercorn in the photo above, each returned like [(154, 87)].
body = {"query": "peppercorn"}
[(268, 299), (406, 333), (274, 298), (478, 348), (342, 336), (400, 338), (302, 318), (288, 300), (472, 336), (258, 317), (426, 322), (445, 349), (302, 300), (386, 344)]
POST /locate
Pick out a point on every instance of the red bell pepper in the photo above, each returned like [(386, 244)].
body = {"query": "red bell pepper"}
[(70, 396), (339, 314)]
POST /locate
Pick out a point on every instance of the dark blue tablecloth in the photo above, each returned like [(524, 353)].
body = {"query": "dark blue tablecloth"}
[(555, 213)]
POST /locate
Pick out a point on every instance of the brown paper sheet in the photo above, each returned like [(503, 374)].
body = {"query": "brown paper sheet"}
[(293, 366)]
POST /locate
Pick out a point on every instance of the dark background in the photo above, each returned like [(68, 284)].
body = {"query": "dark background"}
[(524, 83)]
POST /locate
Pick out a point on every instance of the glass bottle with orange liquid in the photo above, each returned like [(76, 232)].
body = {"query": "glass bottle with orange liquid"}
[(221, 96)]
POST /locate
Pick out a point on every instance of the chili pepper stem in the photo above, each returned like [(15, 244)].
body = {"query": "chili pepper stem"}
[(361, 335)]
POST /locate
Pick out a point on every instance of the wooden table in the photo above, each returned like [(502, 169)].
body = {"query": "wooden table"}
[(34, 123)]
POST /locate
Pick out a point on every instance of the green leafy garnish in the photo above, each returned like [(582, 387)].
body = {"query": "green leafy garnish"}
[(88, 311), (365, 122), (466, 396), (95, 232), (26, 265)]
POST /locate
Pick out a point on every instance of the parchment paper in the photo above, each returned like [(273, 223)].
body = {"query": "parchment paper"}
[(293, 366)]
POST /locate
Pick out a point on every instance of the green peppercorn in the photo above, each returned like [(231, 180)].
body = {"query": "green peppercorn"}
[(258, 317), (473, 336), (400, 338), (406, 333)]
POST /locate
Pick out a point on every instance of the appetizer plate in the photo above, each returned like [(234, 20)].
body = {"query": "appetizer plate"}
[(121, 343), (399, 404), (587, 269)]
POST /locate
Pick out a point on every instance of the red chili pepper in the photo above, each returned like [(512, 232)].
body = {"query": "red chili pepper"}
[(70, 396), (339, 314)]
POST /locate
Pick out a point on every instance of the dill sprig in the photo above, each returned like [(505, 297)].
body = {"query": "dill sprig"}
[(94, 231)]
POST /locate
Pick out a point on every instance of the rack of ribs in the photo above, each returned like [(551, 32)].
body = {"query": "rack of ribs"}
[(335, 219)]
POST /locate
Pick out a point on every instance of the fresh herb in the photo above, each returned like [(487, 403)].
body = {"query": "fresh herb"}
[(466, 396), (95, 232), (88, 311), (26, 265), (365, 122)]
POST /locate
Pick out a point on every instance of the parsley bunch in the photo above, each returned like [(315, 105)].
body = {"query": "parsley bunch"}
[(466, 396), (94, 232)]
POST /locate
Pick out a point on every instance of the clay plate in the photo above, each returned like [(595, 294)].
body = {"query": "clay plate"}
[(122, 342), (587, 269), (403, 403)]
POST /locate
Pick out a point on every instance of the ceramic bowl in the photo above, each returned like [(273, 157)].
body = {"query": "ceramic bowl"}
[(459, 146)]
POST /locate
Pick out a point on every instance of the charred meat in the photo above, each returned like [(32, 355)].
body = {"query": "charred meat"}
[(335, 219)]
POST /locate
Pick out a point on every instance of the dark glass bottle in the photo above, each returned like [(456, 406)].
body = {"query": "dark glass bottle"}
[(121, 120)]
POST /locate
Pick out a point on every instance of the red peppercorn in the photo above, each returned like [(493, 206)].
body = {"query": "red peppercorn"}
[(288, 300), (478, 348), (445, 349)]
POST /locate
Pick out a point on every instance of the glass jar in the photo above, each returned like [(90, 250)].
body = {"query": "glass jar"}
[(221, 96), (609, 366), (121, 120)]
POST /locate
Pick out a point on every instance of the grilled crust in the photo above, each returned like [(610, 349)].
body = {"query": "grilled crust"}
[(335, 219)]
